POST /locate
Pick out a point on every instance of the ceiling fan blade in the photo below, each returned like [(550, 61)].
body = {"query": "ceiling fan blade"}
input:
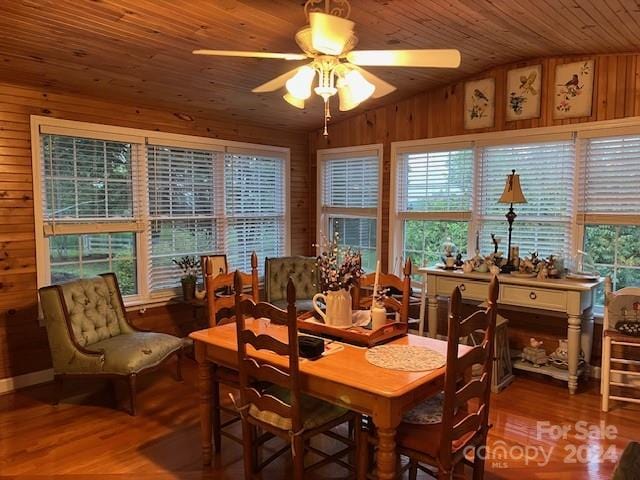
[(330, 34), (382, 88), (275, 83), (406, 58), (235, 53)]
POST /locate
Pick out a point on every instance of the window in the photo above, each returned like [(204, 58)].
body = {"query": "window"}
[(88, 208), (609, 206), (433, 202), (349, 199), (547, 174), (115, 199), (185, 205), (255, 208)]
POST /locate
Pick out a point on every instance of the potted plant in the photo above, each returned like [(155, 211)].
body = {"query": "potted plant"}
[(189, 266)]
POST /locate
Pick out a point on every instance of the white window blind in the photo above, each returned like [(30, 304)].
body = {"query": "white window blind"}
[(546, 172), (350, 190), (89, 208), (351, 182), (438, 181), (254, 208), (186, 194), (611, 179)]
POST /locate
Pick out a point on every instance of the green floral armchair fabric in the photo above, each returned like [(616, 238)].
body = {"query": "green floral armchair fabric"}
[(304, 273), (89, 333)]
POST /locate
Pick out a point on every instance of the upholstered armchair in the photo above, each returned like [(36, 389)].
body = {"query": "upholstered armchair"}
[(90, 336), (305, 277)]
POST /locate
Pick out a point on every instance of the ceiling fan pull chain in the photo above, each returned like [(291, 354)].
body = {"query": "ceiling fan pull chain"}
[(327, 116)]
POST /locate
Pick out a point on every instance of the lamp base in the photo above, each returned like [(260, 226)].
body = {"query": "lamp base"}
[(507, 268)]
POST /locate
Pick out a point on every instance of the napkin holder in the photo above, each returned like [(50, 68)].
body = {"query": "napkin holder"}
[(310, 347)]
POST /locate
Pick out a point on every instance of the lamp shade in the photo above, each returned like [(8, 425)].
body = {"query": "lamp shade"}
[(512, 190), (299, 86)]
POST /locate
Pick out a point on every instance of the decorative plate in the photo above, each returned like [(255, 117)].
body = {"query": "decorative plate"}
[(524, 274), (582, 277)]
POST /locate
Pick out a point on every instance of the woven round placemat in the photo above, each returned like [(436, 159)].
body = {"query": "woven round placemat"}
[(406, 358)]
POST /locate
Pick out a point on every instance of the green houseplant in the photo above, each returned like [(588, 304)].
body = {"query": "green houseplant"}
[(189, 266)]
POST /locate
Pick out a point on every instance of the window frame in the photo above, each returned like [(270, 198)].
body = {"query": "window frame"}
[(323, 213), (139, 139), (580, 131)]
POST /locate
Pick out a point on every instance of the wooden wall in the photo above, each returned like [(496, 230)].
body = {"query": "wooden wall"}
[(23, 343), (439, 113)]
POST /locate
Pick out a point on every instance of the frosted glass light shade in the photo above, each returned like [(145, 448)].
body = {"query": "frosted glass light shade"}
[(299, 86)]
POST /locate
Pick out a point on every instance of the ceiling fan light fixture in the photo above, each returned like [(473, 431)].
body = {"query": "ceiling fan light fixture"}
[(299, 86), (359, 89), (291, 100), (330, 34)]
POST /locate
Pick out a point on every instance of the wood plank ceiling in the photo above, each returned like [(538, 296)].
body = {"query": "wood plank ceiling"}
[(139, 50)]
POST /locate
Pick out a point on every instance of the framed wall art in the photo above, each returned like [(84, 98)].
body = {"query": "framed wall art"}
[(523, 93), (573, 90), (479, 103)]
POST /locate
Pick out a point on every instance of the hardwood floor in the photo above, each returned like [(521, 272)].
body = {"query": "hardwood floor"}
[(86, 438)]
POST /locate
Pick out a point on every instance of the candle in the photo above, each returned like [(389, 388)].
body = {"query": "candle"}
[(375, 284)]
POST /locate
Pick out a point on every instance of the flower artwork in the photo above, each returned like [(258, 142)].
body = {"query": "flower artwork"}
[(523, 93), (339, 267), (479, 103), (573, 90)]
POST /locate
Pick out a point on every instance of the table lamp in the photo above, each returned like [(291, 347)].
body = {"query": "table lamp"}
[(512, 194)]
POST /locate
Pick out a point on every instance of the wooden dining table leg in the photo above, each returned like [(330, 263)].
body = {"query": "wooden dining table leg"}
[(386, 458), (204, 387)]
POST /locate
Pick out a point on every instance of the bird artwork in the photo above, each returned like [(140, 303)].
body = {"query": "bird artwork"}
[(477, 93), (574, 82), (527, 82)]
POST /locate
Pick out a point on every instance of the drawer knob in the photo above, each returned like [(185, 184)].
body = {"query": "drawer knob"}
[(532, 295), (462, 287)]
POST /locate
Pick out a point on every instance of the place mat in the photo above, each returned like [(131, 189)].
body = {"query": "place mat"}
[(407, 358)]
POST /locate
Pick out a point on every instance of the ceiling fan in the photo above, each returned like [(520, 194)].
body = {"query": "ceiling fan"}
[(329, 41)]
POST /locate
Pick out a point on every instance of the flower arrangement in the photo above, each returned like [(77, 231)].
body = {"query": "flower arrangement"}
[(339, 267), (189, 266)]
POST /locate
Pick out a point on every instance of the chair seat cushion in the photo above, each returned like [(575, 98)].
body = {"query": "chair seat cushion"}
[(315, 412), (133, 352), (421, 428), (302, 305), (427, 413)]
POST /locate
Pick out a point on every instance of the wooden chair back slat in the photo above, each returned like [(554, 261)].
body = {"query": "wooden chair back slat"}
[(267, 402), (475, 322), (470, 423), (386, 280), (460, 388), (215, 282), (477, 355), (268, 373), (253, 370), (263, 342), (474, 389)]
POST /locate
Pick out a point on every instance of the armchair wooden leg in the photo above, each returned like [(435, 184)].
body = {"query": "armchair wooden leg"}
[(57, 389), (179, 356), (132, 393)]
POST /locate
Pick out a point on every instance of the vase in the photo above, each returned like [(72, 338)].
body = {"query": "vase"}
[(338, 308), (188, 288)]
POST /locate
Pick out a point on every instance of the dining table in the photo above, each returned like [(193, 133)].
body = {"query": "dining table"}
[(344, 378)]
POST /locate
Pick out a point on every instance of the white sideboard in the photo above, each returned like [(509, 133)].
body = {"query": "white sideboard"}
[(573, 299)]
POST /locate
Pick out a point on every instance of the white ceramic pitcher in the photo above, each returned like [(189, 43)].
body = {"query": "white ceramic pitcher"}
[(338, 312)]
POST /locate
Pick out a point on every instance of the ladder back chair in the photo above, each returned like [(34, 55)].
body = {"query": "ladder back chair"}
[(221, 309), (363, 291), (281, 409), (438, 432), (620, 306)]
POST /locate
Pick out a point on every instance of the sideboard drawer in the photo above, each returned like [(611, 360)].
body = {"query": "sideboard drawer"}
[(468, 288), (534, 297)]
